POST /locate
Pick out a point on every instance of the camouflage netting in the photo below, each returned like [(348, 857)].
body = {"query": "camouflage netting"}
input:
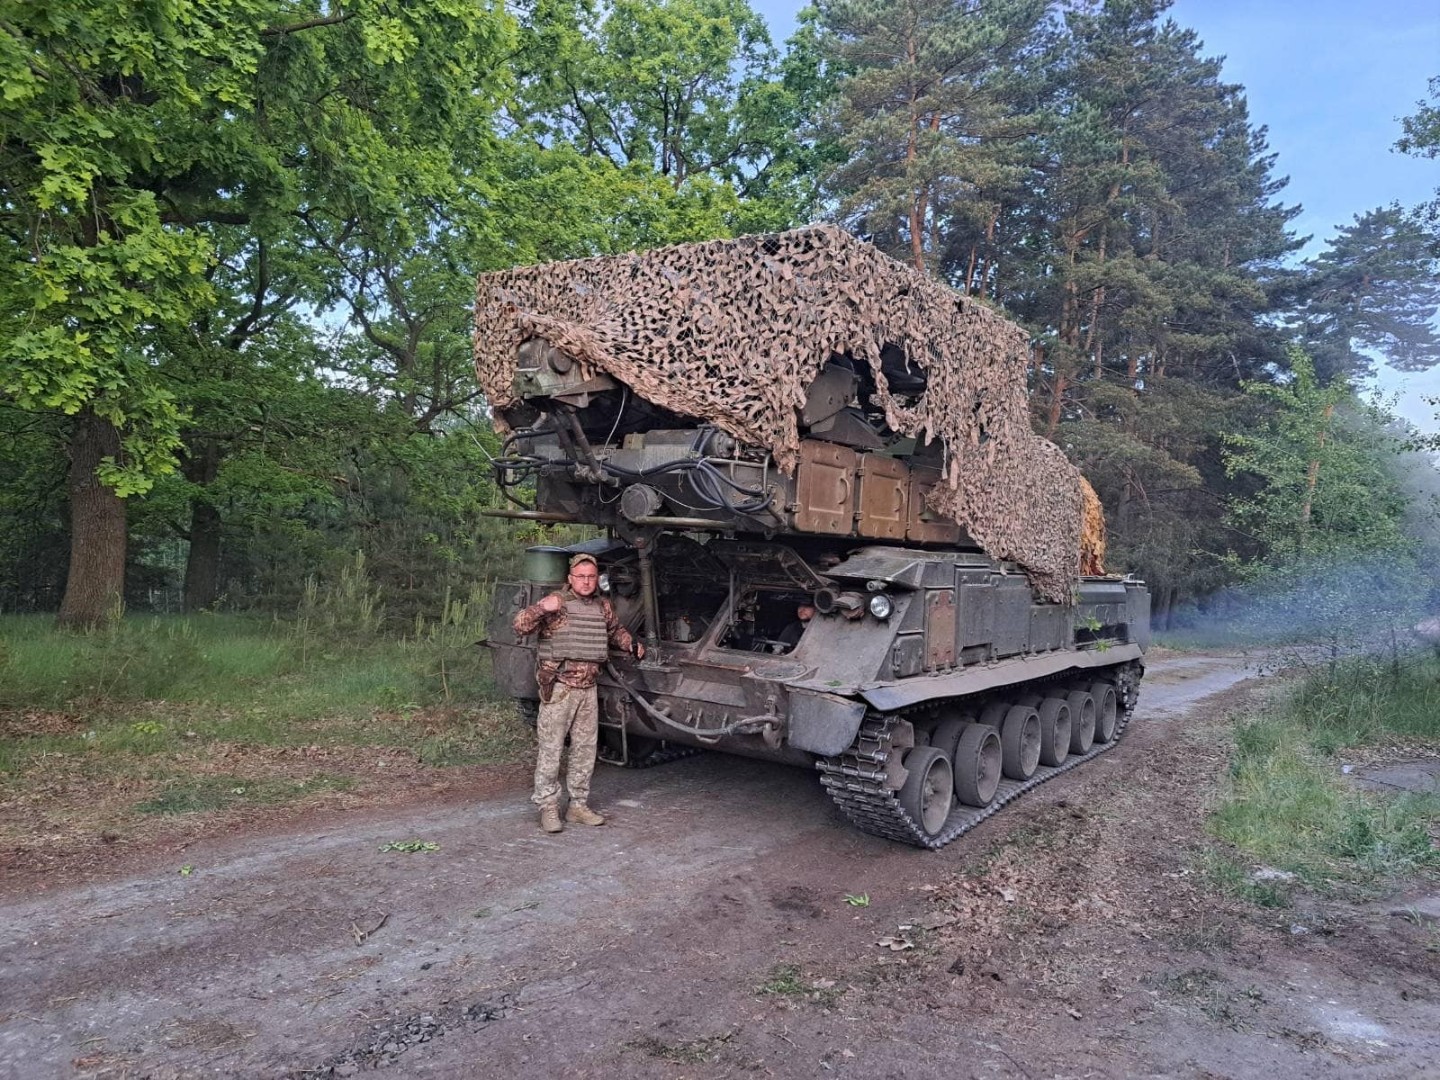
[(734, 331)]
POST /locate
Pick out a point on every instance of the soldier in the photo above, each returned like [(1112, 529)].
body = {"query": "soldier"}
[(790, 636), (576, 627)]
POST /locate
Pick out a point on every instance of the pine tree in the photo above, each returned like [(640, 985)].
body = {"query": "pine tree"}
[(1373, 293), (925, 113)]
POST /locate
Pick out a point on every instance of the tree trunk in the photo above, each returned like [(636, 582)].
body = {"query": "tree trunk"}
[(917, 199), (202, 564), (1312, 473), (1057, 396), (985, 262), (95, 584), (1097, 300)]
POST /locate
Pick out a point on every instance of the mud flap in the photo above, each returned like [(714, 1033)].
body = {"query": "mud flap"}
[(823, 723)]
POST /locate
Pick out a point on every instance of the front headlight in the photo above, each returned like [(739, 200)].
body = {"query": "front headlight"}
[(881, 606), (605, 583)]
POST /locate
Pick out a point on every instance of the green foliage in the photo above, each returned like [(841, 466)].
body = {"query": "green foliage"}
[(1422, 139), (129, 140), (1228, 875), (262, 677), (1098, 179), (32, 503), (1284, 803), (1373, 292), (926, 116), (1323, 469), (169, 185), (1152, 457), (346, 608), (1329, 557), (249, 242), (410, 847), (688, 94)]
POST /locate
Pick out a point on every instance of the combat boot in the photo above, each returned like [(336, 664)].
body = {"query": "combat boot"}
[(550, 818), (581, 814)]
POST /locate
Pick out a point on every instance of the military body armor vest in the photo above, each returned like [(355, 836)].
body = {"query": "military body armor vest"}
[(583, 637)]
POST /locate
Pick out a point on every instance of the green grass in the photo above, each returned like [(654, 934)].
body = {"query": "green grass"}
[(188, 795), (1285, 804), (228, 661), (191, 708), (1228, 875), (787, 981)]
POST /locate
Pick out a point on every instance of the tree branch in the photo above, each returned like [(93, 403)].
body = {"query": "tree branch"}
[(308, 24)]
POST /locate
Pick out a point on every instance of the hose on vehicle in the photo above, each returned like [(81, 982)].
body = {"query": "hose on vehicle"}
[(746, 725)]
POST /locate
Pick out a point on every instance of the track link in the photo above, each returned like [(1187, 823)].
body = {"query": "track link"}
[(667, 753), (856, 778)]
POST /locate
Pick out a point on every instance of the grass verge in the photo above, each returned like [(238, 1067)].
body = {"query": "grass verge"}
[(1286, 804), (159, 720)]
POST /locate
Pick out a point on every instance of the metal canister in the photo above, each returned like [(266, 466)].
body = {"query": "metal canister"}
[(546, 565)]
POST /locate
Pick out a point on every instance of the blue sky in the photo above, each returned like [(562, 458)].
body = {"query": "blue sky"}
[(1329, 79)]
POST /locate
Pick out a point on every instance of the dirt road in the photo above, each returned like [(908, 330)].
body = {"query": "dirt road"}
[(706, 932)]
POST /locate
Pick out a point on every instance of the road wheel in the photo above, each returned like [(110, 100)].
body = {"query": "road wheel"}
[(1082, 721), (993, 714), (1105, 715), (1020, 742), (1054, 731), (929, 789), (977, 763), (945, 736)]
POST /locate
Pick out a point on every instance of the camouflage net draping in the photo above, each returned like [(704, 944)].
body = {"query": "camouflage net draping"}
[(734, 332)]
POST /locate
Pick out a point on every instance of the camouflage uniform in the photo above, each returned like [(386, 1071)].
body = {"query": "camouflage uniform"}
[(568, 703)]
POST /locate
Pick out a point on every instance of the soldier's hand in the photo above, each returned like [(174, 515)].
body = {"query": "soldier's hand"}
[(551, 604), (639, 651)]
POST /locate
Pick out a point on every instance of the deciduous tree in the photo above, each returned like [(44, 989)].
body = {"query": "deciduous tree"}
[(130, 134)]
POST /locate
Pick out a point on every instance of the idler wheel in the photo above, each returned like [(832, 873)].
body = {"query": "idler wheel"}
[(1105, 710), (1020, 742), (1082, 721), (1054, 731), (929, 789), (978, 759)]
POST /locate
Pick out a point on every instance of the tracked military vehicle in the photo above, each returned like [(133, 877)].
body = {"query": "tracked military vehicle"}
[(823, 510)]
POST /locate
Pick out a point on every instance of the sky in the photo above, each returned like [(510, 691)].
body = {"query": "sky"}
[(1329, 79)]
